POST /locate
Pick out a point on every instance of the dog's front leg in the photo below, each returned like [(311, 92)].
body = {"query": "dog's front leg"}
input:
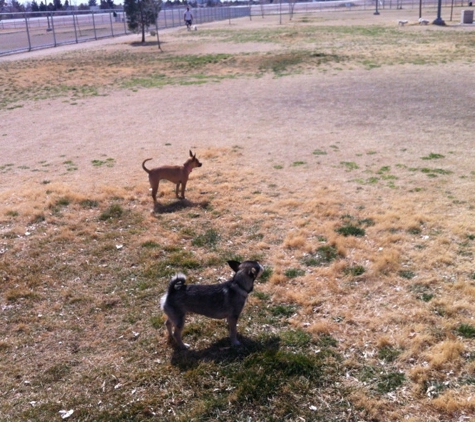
[(177, 188), (183, 186), (232, 323)]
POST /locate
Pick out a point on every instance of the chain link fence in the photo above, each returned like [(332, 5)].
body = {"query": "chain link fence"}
[(291, 7), (20, 32), (29, 31)]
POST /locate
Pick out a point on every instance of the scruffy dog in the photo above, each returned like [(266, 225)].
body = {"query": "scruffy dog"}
[(175, 174), (225, 300)]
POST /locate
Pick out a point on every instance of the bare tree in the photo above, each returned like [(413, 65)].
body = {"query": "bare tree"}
[(292, 4)]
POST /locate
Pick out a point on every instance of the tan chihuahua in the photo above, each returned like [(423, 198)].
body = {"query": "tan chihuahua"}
[(175, 174)]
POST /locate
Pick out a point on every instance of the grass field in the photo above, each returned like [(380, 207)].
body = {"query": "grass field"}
[(336, 150)]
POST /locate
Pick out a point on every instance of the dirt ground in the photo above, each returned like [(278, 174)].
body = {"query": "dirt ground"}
[(272, 119), (401, 112)]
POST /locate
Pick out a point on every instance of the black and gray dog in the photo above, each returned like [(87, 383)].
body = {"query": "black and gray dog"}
[(225, 300)]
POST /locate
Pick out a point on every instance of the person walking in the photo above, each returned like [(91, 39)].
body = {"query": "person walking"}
[(188, 17)]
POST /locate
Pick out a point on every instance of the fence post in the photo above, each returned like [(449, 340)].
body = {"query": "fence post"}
[(52, 27), (112, 25), (94, 26), (27, 32), (75, 29)]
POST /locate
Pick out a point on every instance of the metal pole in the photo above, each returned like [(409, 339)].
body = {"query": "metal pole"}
[(75, 29), (112, 26), (28, 33), (376, 12), (54, 32), (94, 26), (439, 20)]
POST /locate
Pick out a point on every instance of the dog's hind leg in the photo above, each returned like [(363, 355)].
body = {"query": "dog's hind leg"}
[(178, 321), (177, 189), (232, 323), (154, 191), (169, 326)]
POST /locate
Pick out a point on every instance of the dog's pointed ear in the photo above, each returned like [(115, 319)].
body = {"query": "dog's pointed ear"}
[(191, 154), (234, 265), (253, 272)]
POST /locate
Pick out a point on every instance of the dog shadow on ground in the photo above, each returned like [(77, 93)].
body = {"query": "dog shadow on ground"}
[(221, 351), (178, 206)]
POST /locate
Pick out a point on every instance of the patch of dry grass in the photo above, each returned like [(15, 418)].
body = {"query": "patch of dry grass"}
[(80, 299)]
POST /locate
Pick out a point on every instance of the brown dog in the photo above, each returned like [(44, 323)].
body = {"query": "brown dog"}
[(175, 174)]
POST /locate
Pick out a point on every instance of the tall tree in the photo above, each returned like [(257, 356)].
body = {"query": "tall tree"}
[(141, 14), (107, 4), (17, 6), (34, 6)]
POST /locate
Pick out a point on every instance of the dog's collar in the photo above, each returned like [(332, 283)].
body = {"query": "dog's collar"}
[(246, 292)]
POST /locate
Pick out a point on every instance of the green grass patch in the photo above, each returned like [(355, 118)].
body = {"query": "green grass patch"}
[(294, 272), (351, 230), (319, 152), (388, 354), (349, 165), (407, 274), (466, 330), (434, 172), (323, 256), (283, 310), (433, 156), (208, 239), (109, 162), (354, 271), (115, 211)]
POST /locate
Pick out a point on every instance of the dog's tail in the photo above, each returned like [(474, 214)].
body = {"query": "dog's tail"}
[(143, 165), (177, 283)]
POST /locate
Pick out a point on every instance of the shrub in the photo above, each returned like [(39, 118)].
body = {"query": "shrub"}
[(209, 239), (114, 211), (323, 256), (466, 330), (294, 272), (351, 230)]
